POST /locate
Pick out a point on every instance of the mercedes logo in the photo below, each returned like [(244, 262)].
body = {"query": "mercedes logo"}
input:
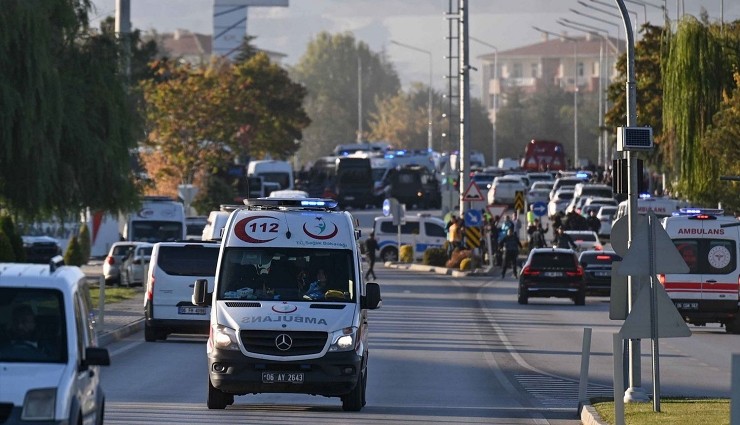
[(283, 342)]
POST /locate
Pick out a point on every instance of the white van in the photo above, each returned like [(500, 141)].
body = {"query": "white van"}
[(421, 231), (159, 219), (50, 374), (173, 269), (272, 171), (216, 222), (289, 304), (708, 242)]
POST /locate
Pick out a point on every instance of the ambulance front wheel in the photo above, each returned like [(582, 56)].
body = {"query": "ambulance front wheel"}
[(389, 254)]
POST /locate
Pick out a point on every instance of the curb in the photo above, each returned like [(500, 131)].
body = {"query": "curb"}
[(110, 337), (589, 416)]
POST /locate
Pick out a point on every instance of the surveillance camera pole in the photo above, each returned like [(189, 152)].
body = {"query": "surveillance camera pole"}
[(635, 392)]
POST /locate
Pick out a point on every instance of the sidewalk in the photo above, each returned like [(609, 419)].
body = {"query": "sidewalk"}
[(118, 320)]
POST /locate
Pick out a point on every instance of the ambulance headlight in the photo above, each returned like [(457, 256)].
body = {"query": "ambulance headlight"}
[(343, 340), (224, 338), (39, 405)]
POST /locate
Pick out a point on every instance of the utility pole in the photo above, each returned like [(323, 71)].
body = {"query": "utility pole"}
[(123, 31), (464, 63)]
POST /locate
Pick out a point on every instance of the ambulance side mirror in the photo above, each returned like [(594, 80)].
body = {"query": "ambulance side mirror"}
[(201, 296), (371, 300)]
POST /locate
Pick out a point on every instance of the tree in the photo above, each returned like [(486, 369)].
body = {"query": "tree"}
[(198, 118), (73, 255), (6, 249), (697, 70), (511, 130), (329, 71), (84, 240)]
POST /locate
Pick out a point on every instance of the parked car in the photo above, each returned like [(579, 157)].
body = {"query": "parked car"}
[(538, 195), (40, 249), (559, 201), (136, 264), (606, 215), (597, 270), (421, 231), (585, 240), (112, 263), (552, 272), (503, 190)]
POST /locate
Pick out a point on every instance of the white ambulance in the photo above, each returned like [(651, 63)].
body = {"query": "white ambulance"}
[(289, 304), (708, 243)]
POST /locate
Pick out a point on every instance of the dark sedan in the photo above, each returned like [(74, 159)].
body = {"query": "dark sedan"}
[(597, 271), (552, 272)]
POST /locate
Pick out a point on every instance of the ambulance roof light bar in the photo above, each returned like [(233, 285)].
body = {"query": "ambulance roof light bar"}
[(296, 203), (699, 213)]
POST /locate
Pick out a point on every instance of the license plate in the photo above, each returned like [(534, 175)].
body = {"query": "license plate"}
[(687, 306), (602, 274), (282, 377), (349, 198), (553, 274), (191, 310)]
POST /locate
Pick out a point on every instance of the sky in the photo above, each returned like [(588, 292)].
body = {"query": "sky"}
[(505, 24)]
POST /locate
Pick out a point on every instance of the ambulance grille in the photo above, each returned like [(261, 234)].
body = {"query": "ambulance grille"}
[(239, 304), (301, 343)]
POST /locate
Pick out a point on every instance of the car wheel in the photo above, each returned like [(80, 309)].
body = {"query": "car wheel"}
[(217, 399), (352, 402), (733, 327), (150, 334), (580, 298), (522, 296), (389, 254)]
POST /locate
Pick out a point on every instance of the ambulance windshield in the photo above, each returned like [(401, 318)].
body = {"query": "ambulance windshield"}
[(287, 274)]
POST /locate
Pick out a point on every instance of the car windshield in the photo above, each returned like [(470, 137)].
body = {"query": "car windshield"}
[(32, 326), (287, 274), (554, 259)]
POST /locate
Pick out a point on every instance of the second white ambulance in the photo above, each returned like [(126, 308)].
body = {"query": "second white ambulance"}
[(289, 304), (708, 242)]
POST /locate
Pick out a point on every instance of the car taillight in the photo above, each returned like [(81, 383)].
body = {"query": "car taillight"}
[(603, 258), (577, 273), (150, 288), (526, 271), (110, 260), (598, 247), (661, 279)]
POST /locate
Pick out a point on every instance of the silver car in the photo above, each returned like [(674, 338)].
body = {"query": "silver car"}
[(113, 261), (136, 264)]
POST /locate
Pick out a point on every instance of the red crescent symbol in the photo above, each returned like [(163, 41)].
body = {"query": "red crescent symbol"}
[(329, 236), (240, 230)]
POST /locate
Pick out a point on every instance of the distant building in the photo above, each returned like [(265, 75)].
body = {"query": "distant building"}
[(555, 61), (194, 48)]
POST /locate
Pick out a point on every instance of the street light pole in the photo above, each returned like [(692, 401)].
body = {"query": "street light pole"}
[(575, 89), (430, 134), (494, 152)]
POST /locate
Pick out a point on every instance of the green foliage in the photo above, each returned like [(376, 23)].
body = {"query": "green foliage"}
[(407, 254), (6, 249), (16, 241), (329, 70), (435, 257), (216, 193), (73, 255), (84, 240)]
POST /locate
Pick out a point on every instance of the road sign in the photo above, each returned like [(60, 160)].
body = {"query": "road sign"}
[(636, 261), (473, 193), (539, 208), (519, 201), (496, 210), (670, 322), (473, 218), (472, 237)]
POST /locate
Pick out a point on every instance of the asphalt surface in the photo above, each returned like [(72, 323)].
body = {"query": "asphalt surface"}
[(121, 319)]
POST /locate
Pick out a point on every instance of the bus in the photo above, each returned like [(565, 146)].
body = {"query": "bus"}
[(544, 155)]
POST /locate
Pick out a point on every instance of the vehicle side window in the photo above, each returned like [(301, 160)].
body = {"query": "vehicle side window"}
[(432, 229), (80, 321), (689, 250), (387, 227), (410, 228)]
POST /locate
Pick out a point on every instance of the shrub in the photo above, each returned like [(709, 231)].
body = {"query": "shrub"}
[(459, 255), (407, 254), (435, 257), (73, 256), (6, 249), (84, 240), (16, 242)]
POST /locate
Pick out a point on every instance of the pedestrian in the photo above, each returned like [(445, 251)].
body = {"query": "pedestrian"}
[(511, 252), (371, 245), (563, 240), (454, 236), (531, 217), (593, 222), (538, 236)]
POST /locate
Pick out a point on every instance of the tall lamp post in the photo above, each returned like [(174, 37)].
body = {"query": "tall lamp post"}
[(430, 134), (575, 89), (494, 153)]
